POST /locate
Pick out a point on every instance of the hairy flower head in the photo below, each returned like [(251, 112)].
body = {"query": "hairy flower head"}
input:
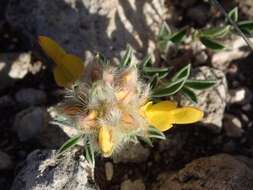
[(110, 105)]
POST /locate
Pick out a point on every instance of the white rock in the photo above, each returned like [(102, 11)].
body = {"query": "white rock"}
[(241, 95), (232, 126), (20, 66), (133, 185), (29, 123), (213, 100), (108, 171), (221, 60)]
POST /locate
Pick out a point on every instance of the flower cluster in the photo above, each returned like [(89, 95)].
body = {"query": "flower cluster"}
[(111, 105)]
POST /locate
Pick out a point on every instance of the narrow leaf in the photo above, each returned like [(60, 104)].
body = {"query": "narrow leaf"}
[(246, 26), (200, 84), (189, 93), (154, 81), (127, 58), (146, 140), (89, 154), (179, 36), (69, 144), (171, 89), (147, 62), (164, 32), (211, 43), (155, 133), (182, 73), (233, 14), (216, 32)]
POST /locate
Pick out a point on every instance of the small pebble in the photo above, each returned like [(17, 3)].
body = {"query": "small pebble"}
[(108, 171)]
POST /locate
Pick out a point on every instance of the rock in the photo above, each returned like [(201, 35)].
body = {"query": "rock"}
[(31, 97), (132, 153), (199, 14), (246, 7), (219, 172), (213, 100), (41, 171), (108, 171), (6, 162), (30, 122), (132, 185), (240, 95), (6, 101), (52, 137), (15, 66), (232, 126), (221, 60), (20, 66), (81, 27)]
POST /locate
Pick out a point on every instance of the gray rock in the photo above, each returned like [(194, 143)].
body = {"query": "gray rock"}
[(232, 126), (31, 97), (219, 172), (41, 171), (6, 162), (213, 100), (81, 27), (199, 13), (6, 101), (29, 123), (132, 185), (132, 153), (52, 137)]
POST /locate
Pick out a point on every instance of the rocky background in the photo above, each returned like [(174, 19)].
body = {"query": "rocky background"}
[(215, 154)]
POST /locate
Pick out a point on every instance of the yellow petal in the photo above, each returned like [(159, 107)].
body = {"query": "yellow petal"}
[(51, 48), (105, 141), (185, 115), (70, 70), (157, 114)]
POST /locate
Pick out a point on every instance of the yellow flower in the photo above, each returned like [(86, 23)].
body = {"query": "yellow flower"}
[(68, 68), (105, 141), (164, 114)]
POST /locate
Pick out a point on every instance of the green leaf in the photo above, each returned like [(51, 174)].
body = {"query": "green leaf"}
[(147, 62), (233, 14), (246, 26), (178, 36), (127, 58), (209, 43), (162, 44), (182, 73), (154, 81), (155, 69), (200, 84), (164, 32), (171, 89), (216, 32), (146, 140), (155, 133), (190, 94), (69, 144), (89, 154)]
